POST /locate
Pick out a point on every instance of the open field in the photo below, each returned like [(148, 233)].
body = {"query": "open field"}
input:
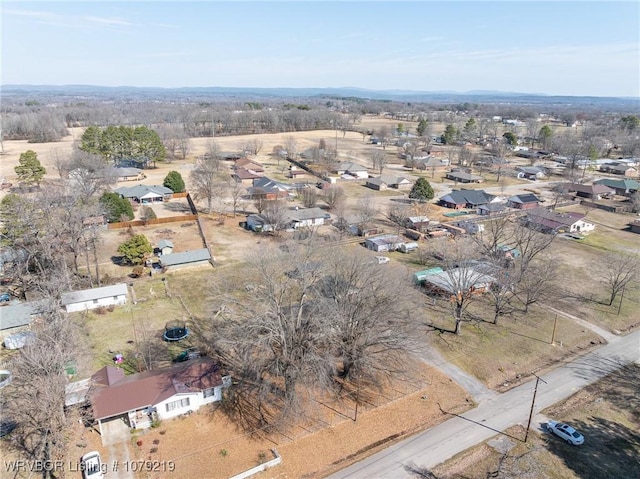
[(584, 293), (605, 412), (505, 354)]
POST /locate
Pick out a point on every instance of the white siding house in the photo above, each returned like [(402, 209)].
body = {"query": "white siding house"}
[(95, 298), (141, 398)]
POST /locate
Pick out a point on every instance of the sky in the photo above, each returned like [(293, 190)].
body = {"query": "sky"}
[(558, 48)]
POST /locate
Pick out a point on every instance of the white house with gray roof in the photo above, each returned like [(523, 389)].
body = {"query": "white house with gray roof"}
[(113, 295), (145, 193)]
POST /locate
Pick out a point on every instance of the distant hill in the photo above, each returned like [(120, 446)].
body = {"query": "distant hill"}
[(475, 96)]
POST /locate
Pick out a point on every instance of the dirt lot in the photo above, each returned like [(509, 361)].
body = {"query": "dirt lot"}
[(605, 412)]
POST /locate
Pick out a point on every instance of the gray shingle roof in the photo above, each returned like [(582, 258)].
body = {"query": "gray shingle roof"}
[(94, 293), (306, 214), (138, 191), (185, 257), (472, 197), (526, 198), (165, 243), (19, 314)]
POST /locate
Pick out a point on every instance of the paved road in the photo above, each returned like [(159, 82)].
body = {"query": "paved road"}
[(431, 447)]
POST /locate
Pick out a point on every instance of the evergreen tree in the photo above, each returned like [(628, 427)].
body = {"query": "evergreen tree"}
[(30, 171), (511, 138), (422, 127), (116, 207), (422, 190), (135, 249), (450, 134), (174, 182)]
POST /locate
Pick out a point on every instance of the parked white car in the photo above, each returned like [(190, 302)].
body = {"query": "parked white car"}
[(566, 432), (92, 466), (382, 259)]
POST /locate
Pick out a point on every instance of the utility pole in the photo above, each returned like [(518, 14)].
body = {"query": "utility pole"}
[(533, 401)]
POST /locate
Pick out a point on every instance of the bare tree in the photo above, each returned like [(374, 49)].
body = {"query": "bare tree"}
[(274, 339), (205, 181), (260, 201), (184, 144), (539, 283), (88, 175), (291, 145), (334, 196), (34, 401), (466, 156), (398, 214), (378, 160), (619, 270), (309, 197), (370, 329), (365, 212), (275, 214), (462, 281), (235, 190)]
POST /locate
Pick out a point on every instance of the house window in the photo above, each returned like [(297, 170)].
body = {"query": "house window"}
[(180, 403), (95, 301), (209, 392), (115, 298)]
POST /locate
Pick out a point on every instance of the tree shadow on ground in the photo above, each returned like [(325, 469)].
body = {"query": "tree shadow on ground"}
[(610, 450)]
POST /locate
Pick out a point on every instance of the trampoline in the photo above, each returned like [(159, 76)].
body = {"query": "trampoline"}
[(175, 331)]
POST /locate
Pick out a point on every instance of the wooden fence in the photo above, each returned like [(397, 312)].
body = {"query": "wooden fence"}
[(155, 221)]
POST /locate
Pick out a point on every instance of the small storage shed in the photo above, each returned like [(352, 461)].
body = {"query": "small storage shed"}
[(165, 246)]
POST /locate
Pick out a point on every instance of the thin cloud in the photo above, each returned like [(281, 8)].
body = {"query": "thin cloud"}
[(108, 21)]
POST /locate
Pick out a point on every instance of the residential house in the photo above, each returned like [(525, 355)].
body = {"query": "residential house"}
[(269, 189), (463, 177), (451, 281), (619, 169), (139, 399), (622, 187), (141, 162), (83, 300), (471, 227), (418, 223), (437, 150), (165, 246), (196, 257), (491, 209), (296, 172), (306, 217), (558, 222), (244, 176), (16, 317), (384, 243), (351, 170), (431, 163), (464, 198), (145, 194), (128, 174), (531, 172), (250, 165), (388, 181), (291, 220), (594, 192), (525, 201)]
